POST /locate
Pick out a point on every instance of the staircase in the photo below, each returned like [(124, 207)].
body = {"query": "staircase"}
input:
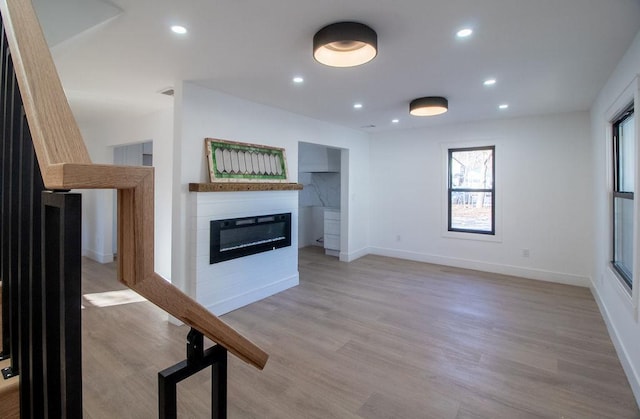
[(44, 157)]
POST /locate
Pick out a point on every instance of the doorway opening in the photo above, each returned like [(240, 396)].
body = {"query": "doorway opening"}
[(320, 170)]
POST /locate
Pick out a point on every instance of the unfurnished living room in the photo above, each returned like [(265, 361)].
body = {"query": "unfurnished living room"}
[(408, 209)]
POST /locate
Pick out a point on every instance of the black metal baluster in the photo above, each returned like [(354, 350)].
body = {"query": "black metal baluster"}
[(24, 261), (11, 236), (61, 244), (197, 360), (219, 383), (6, 152), (35, 350)]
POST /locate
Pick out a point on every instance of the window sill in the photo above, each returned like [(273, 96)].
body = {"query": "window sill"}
[(622, 284), (495, 238), (624, 292)]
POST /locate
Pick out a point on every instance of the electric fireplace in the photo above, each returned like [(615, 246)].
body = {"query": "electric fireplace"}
[(237, 237)]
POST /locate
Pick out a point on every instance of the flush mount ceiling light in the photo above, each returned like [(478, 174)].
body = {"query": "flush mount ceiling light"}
[(428, 106), (345, 44)]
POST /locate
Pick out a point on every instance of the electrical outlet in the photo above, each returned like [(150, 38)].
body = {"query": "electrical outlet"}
[(398, 238), (525, 253)]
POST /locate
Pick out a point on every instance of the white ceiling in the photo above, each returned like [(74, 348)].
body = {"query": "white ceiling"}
[(548, 56)]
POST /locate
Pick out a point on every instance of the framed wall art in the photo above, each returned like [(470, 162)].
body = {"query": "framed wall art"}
[(231, 161)]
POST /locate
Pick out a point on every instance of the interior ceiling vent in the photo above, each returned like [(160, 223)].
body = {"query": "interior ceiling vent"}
[(168, 91)]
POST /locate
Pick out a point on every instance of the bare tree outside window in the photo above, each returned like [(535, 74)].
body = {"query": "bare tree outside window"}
[(472, 190)]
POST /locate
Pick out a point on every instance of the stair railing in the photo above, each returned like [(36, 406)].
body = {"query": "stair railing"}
[(64, 163)]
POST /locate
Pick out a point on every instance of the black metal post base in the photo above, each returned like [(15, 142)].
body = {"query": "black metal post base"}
[(197, 360), (8, 373)]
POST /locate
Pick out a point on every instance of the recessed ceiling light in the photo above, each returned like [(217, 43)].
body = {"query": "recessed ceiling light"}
[(503, 106), (298, 79), (489, 82), (357, 105), (395, 121), (463, 33), (179, 29)]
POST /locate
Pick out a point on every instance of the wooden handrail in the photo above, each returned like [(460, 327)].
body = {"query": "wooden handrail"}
[(65, 164)]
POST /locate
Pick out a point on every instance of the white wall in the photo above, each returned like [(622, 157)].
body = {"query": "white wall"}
[(543, 197), (97, 211), (201, 113), (618, 308)]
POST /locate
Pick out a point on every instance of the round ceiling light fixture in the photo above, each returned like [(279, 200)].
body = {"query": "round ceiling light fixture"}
[(428, 106), (345, 44)]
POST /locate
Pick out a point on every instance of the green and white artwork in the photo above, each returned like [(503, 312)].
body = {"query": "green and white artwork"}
[(231, 161)]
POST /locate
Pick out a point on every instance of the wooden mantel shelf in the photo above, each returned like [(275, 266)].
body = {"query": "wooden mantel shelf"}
[(243, 186)]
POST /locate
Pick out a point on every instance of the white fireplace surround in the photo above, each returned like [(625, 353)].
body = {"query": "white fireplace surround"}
[(226, 286)]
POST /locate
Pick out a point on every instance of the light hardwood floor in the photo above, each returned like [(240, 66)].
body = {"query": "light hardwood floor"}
[(375, 338)]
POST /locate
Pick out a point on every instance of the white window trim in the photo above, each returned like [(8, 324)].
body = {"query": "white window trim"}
[(631, 93), (444, 182)]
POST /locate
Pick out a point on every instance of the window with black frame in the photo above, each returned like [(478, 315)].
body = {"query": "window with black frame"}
[(472, 190), (623, 194)]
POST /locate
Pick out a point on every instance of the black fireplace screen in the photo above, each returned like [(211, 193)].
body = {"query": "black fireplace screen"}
[(238, 237)]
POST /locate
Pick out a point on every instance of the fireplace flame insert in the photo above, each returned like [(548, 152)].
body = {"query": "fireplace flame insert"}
[(237, 237)]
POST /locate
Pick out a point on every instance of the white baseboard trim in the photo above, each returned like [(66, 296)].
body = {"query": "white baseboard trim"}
[(621, 350), (221, 307), (530, 273), (350, 257), (97, 256)]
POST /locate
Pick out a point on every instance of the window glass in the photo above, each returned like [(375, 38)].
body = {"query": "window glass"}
[(623, 246), (471, 211), (627, 152), (472, 169)]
